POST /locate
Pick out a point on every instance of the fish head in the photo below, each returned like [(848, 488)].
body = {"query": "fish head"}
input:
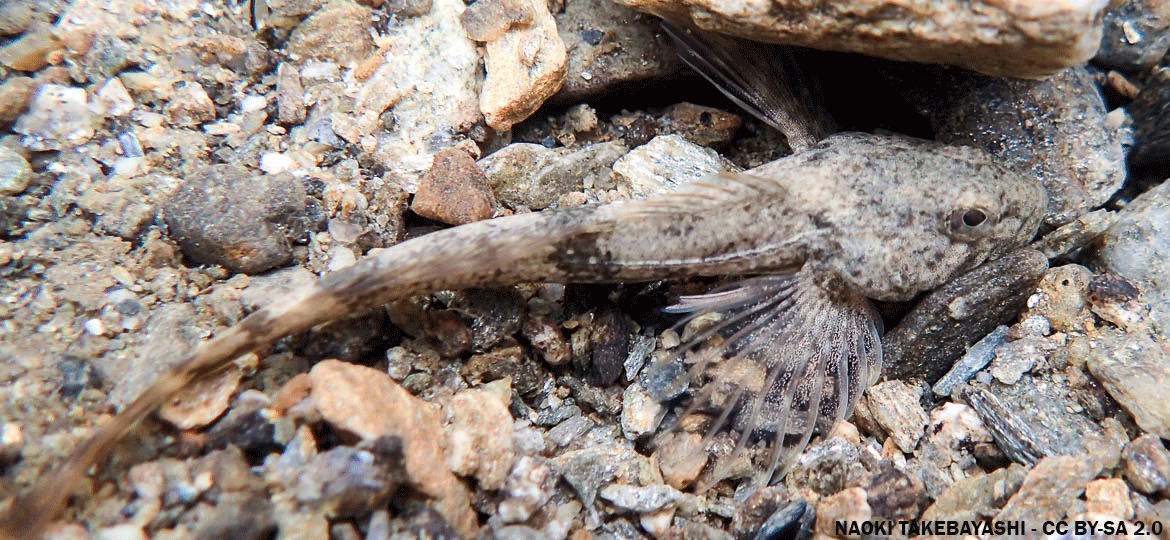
[(928, 214)]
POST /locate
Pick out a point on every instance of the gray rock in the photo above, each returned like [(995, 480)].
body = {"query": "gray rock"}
[(1029, 41), (58, 117), (1137, 246), (939, 329), (1014, 358), (610, 45), (641, 498), (290, 95), (339, 31), (1133, 369), (590, 469), (534, 177), (976, 497), (519, 532), (977, 357), (666, 162), (225, 215), (15, 173), (345, 481), (565, 432), (1054, 130), (1150, 112), (1136, 35), (1147, 465), (247, 516)]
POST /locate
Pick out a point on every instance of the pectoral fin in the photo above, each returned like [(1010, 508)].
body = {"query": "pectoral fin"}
[(786, 359)]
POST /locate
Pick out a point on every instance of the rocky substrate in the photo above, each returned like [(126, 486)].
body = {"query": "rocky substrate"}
[(167, 168)]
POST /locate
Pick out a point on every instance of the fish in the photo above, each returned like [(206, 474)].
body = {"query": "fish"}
[(817, 234), (813, 237)]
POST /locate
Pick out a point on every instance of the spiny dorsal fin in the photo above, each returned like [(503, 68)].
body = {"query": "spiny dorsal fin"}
[(710, 192), (763, 79)]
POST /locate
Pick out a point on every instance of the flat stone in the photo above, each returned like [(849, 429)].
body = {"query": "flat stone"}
[(641, 498), (895, 407), (228, 216), (1137, 245), (1050, 488), (940, 328), (610, 45), (58, 117), (534, 177), (454, 191), (367, 403), (665, 163), (525, 65), (32, 51), (975, 497), (1032, 40), (1133, 369), (339, 32), (202, 402)]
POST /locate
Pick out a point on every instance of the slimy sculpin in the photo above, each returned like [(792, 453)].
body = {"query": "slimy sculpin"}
[(854, 217)]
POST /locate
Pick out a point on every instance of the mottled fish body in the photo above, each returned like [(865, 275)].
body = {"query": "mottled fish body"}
[(855, 216)]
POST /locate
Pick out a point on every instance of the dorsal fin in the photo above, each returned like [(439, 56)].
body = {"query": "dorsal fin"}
[(763, 79), (710, 192)]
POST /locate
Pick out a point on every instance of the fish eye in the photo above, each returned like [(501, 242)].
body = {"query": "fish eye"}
[(971, 222)]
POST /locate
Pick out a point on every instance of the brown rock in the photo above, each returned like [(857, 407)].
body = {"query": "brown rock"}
[(1108, 497), (848, 505), (1031, 39), (190, 106), (479, 437), (14, 97), (31, 52), (454, 191), (203, 401), (895, 407), (681, 458), (339, 31), (368, 404), (1049, 490), (487, 20), (1147, 465), (524, 67)]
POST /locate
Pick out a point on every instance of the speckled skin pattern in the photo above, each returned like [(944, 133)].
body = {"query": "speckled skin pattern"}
[(880, 216)]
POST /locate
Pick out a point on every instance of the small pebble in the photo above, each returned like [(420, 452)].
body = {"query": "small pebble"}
[(15, 173), (895, 407), (1147, 465), (454, 191)]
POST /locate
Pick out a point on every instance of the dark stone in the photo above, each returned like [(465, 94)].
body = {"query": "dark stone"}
[(1135, 35), (610, 47), (1151, 121), (77, 374), (939, 329), (240, 515), (225, 215)]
